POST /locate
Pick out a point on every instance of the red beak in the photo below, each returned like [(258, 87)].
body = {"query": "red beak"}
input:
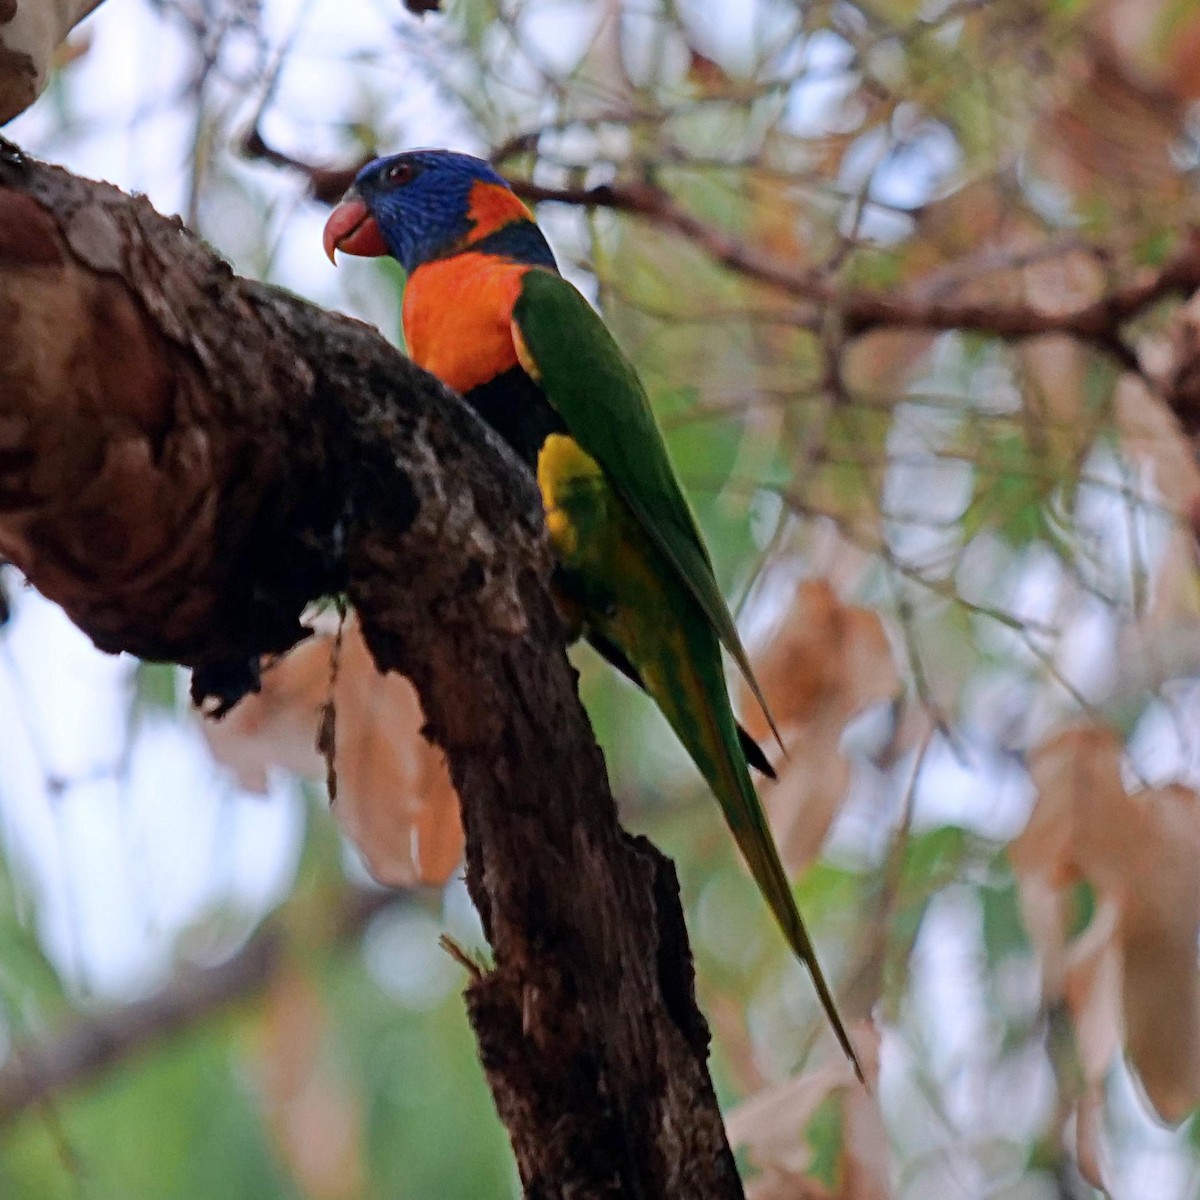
[(352, 230)]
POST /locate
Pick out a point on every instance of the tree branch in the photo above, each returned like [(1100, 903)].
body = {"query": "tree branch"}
[(1099, 322), (38, 1072), (186, 459)]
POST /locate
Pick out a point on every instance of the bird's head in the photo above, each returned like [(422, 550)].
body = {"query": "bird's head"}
[(420, 205)]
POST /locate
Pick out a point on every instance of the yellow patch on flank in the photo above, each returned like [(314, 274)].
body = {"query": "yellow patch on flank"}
[(563, 468), (527, 361)]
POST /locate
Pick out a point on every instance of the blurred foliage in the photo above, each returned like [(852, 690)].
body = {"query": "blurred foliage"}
[(947, 547)]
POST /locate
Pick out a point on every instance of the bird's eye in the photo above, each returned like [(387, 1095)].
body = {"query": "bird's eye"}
[(399, 173)]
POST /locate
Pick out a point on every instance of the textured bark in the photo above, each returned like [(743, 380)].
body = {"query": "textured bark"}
[(186, 458)]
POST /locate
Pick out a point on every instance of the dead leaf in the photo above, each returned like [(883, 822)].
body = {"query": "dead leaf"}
[(395, 799), (785, 1185), (726, 1013), (1114, 130), (772, 1126), (1043, 910), (706, 75), (1082, 823), (829, 658), (1149, 429), (30, 32), (881, 362), (1182, 76), (1160, 921), (828, 662), (72, 50), (1158, 39), (1092, 989), (1089, 1137), (1132, 972), (865, 1170), (809, 795), (1164, 642), (1055, 369), (777, 218), (315, 1121)]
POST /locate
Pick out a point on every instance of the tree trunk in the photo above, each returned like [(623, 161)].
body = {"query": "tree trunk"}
[(188, 458)]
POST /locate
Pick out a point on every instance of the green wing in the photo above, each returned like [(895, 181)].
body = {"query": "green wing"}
[(598, 394)]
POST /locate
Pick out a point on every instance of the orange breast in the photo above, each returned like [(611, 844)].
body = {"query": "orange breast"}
[(457, 314)]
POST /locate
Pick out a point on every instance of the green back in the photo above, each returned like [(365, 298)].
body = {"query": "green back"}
[(599, 396)]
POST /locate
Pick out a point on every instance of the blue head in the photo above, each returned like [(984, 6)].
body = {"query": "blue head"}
[(425, 204)]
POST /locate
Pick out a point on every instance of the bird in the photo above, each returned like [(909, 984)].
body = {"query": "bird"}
[(486, 310)]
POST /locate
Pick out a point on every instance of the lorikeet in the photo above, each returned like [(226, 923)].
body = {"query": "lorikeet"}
[(486, 310)]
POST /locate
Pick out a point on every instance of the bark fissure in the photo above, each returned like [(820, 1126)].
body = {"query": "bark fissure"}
[(251, 453)]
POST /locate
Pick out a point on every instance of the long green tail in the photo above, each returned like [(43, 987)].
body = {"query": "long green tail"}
[(698, 708)]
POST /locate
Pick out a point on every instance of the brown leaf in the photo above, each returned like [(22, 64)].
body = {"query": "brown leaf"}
[(1164, 642), (1092, 989), (1160, 921), (72, 50), (395, 799), (726, 1014), (881, 362), (776, 218), (786, 1185), (1089, 1137), (1183, 60), (1114, 130), (314, 1120), (829, 658), (277, 727), (1083, 821), (1043, 910), (865, 1160), (973, 214), (1055, 373), (705, 74), (30, 31), (1158, 40), (1152, 431), (772, 1126), (828, 662), (809, 794), (1135, 965)]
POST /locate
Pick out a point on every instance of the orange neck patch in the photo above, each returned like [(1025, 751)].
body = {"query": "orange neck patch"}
[(491, 207)]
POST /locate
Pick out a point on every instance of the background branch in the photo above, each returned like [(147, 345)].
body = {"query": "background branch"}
[(1099, 322), (84, 1049)]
